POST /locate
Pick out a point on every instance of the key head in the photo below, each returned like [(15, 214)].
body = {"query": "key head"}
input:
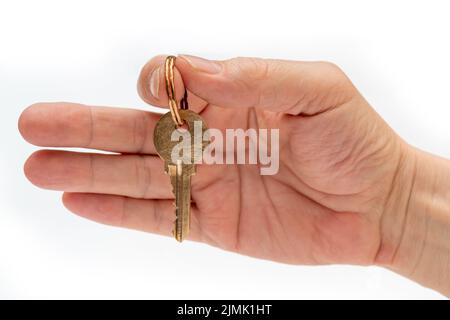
[(163, 133)]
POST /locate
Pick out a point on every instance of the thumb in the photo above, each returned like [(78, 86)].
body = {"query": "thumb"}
[(277, 85)]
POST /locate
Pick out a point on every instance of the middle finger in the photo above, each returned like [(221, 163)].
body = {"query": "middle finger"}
[(137, 176)]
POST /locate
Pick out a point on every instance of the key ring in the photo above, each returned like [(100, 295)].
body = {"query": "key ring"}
[(170, 88)]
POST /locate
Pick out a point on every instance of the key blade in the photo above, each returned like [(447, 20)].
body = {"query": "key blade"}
[(180, 177)]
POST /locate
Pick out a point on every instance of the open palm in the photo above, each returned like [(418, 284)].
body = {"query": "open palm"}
[(338, 161)]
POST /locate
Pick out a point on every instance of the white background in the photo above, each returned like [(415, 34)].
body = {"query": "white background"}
[(396, 52)]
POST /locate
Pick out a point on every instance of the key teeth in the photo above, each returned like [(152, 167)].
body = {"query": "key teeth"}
[(179, 231), (174, 232), (179, 239)]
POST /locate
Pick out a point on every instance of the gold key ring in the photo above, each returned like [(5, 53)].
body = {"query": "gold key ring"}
[(170, 88)]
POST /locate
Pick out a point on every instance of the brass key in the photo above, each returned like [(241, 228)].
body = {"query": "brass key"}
[(179, 170), (180, 173)]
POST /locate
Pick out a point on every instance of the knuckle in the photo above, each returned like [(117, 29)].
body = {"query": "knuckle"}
[(248, 68), (337, 81), (332, 69), (143, 175), (157, 217), (249, 74), (331, 66), (140, 131)]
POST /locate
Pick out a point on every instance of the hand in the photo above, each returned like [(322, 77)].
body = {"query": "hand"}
[(338, 161), (341, 194)]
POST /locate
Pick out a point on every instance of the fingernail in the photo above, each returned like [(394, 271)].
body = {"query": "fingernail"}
[(154, 83), (201, 64)]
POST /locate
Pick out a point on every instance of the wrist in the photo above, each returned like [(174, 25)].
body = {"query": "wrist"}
[(415, 229)]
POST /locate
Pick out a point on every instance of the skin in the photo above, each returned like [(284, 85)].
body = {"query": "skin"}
[(349, 189)]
